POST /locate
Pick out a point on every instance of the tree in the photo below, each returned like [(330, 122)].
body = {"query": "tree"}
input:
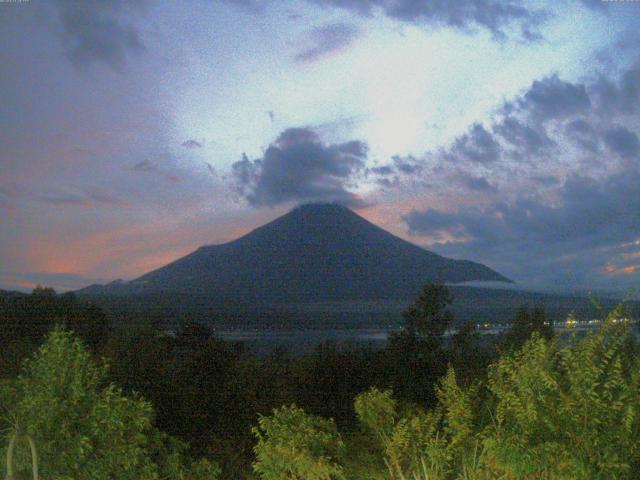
[(434, 444), (26, 319), (377, 414), (415, 354), (293, 445), (193, 336), (84, 427), (428, 316), (468, 354), (524, 324)]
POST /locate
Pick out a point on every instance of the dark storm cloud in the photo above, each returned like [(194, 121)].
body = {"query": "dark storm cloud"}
[(407, 165), (581, 133), (622, 96), (99, 31), (298, 167), (492, 15), (525, 137), (392, 174), (478, 184), (191, 144), (548, 232), (478, 145), (622, 141), (591, 216), (434, 222), (326, 40), (383, 171), (553, 98), (552, 113)]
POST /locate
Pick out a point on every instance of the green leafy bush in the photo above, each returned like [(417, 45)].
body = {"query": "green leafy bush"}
[(293, 445), (83, 427), (376, 412), (568, 410)]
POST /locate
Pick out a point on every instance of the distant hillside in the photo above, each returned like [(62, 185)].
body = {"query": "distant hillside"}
[(11, 293), (315, 253), (479, 305)]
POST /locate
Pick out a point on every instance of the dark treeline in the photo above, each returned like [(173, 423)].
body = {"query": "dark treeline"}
[(471, 304), (210, 393)]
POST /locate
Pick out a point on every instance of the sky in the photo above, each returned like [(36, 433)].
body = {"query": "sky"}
[(505, 132)]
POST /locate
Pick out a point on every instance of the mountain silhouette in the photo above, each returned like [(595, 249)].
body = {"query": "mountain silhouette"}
[(316, 252)]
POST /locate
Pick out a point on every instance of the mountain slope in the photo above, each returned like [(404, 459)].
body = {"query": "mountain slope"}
[(314, 253)]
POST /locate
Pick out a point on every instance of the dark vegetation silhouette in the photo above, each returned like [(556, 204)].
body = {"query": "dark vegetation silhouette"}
[(428, 405)]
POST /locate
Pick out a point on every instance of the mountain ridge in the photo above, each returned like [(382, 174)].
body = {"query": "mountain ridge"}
[(315, 252)]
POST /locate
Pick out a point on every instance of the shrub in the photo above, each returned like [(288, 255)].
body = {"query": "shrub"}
[(293, 445)]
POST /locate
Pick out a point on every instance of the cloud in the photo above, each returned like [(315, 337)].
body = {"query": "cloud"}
[(146, 166), (524, 137), (537, 239), (383, 170), (407, 165), (622, 96), (551, 115), (94, 31), (583, 134), (569, 215), (553, 98), (434, 222), (492, 15), (622, 141), (478, 184), (478, 146), (595, 4), (546, 180), (249, 5), (327, 40), (191, 144), (299, 168)]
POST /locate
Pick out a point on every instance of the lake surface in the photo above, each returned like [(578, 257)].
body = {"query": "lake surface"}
[(263, 342)]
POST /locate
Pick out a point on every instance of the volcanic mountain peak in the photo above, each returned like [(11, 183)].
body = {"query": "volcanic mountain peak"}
[(315, 252)]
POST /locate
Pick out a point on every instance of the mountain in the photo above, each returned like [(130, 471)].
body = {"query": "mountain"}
[(317, 252)]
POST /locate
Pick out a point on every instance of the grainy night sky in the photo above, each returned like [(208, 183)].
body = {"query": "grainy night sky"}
[(504, 132)]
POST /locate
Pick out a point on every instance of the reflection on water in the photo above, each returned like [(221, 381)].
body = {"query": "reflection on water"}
[(262, 342)]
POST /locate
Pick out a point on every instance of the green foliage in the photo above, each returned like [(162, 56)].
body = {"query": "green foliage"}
[(376, 412), (293, 445), (558, 409), (415, 439), (568, 411), (431, 444), (457, 417), (83, 427)]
